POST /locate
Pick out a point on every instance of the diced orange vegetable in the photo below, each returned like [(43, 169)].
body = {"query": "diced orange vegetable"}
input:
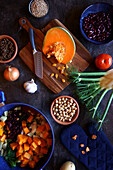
[(18, 154), (1, 132), (3, 137), (46, 134), (41, 128), (23, 123), (21, 157), (30, 119), (26, 130), (32, 164), (36, 158), (49, 141), (37, 141), (2, 123), (25, 161), (26, 146), (22, 139), (44, 150), (30, 152), (37, 150), (34, 145), (13, 145), (26, 155), (23, 165), (30, 140), (20, 149), (43, 143), (32, 148), (47, 126)]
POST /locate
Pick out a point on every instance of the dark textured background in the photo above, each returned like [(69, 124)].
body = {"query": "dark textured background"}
[(68, 12)]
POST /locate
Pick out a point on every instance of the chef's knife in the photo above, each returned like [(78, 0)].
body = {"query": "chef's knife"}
[(38, 62)]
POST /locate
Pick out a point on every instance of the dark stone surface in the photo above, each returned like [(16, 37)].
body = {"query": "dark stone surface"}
[(68, 12)]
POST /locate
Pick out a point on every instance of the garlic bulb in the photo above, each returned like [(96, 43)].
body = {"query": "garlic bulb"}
[(30, 86)]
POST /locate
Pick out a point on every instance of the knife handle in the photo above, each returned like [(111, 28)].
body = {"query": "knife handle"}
[(32, 38)]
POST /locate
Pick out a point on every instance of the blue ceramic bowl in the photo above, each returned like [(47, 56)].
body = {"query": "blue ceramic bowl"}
[(42, 163), (94, 8)]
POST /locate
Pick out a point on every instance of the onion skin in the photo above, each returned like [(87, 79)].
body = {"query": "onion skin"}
[(11, 73)]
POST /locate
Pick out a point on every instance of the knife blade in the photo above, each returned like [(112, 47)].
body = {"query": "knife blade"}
[(38, 62)]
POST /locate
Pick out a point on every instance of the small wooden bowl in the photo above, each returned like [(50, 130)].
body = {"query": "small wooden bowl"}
[(15, 46), (73, 118)]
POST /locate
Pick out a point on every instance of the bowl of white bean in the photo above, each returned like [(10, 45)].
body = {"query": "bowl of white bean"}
[(64, 110)]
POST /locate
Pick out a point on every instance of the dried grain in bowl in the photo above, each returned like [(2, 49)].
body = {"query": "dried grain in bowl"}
[(38, 8), (64, 110)]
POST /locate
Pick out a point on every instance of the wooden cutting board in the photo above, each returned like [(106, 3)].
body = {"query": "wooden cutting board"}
[(81, 60)]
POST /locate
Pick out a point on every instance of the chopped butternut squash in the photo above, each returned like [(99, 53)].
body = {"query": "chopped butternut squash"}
[(20, 149), (26, 155), (41, 128), (37, 141), (2, 123), (23, 123), (25, 161), (46, 134), (30, 119), (13, 145), (18, 154), (47, 126), (43, 143), (30, 152), (44, 150), (23, 165), (3, 137), (26, 146), (34, 145), (30, 140), (36, 158), (26, 130), (1, 132), (37, 150), (32, 164)]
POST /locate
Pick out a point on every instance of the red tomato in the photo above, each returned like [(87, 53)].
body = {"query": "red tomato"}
[(103, 61)]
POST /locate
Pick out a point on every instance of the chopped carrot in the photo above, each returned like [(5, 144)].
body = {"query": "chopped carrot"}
[(25, 161), (1, 132), (46, 134), (37, 150), (47, 126), (41, 128), (34, 145), (30, 140), (26, 155), (36, 158), (44, 150), (26, 146), (37, 141), (43, 143), (23, 165), (26, 130), (32, 164), (2, 123), (13, 145), (3, 137), (49, 141), (23, 123), (30, 152), (30, 119)]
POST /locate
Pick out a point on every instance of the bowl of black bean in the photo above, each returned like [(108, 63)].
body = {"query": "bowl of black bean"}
[(96, 23), (8, 48)]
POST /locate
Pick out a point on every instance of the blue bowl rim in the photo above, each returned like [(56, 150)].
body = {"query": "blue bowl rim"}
[(24, 104), (81, 18)]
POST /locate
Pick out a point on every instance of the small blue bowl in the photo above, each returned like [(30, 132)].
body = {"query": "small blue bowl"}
[(95, 8)]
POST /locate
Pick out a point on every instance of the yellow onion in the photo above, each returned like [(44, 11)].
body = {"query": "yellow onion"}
[(11, 73)]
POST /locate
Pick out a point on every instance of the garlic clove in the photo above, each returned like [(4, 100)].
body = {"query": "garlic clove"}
[(30, 86)]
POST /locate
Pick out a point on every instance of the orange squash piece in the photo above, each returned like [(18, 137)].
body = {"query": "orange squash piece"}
[(13, 145), (30, 152), (32, 164), (29, 140), (2, 123), (3, 137), (46, 134), (37, 141), (26, 130), (26, 146), (36, 158), (37, 150), (47, 126), (30, 118), (41, 128), (59, 42), (43, 143), (20, 149), (34, 145), (23, 165), (22, 139), (18, 154), (26, 155), (49, 142), (23, 123), (44, 150), (1, 132), (25, 161)]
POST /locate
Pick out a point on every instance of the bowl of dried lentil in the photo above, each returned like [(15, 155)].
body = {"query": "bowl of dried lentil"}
[(38, 8), (8, 48), (64, 110)]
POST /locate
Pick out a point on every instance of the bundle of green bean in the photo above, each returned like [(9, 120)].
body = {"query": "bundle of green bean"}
[(89, 88)]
